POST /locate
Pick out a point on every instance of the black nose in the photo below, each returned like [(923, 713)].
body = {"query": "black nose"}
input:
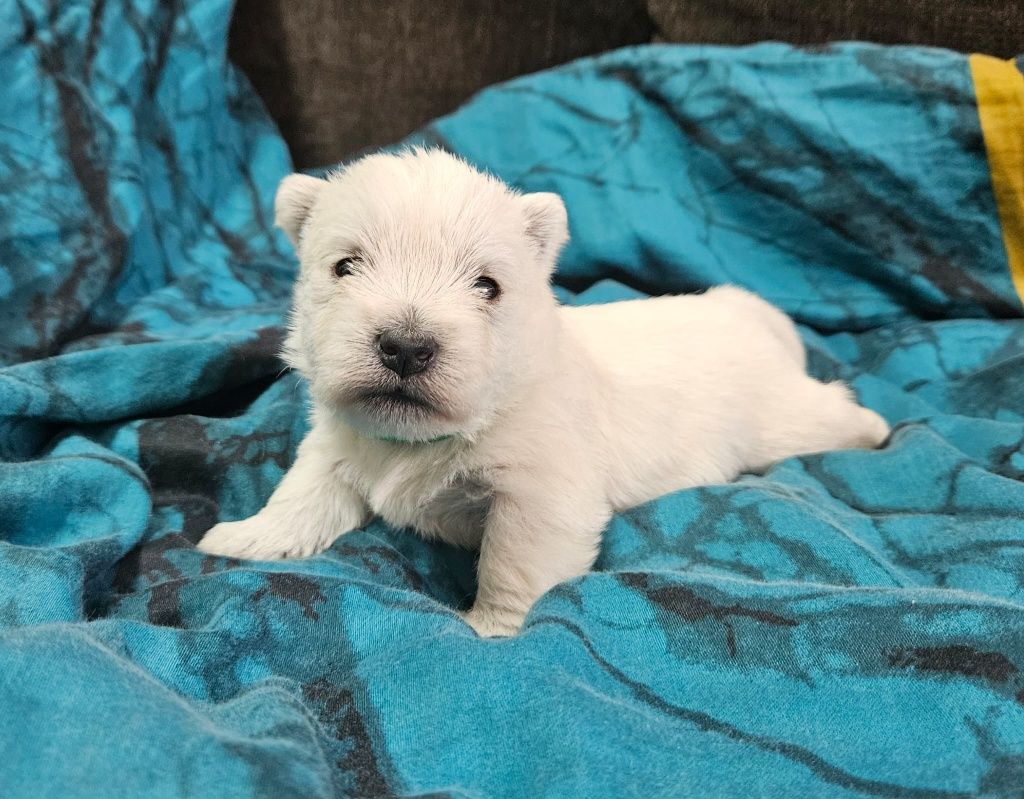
[(405, 355)]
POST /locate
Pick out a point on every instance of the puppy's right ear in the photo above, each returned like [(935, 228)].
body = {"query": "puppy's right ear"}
[(547, 225), (294, 201)]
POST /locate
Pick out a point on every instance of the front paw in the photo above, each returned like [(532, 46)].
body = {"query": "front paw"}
[(259, 538), (491, 624)]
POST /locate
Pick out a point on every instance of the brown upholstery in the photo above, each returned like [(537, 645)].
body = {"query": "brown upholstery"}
[(342, 76), (987, 26)]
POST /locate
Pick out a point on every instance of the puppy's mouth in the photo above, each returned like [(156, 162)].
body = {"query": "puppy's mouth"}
[(382, 405), (396, 399)]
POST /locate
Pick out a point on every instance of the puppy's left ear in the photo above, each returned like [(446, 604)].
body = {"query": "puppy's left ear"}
[(294, 201), (547, 225)]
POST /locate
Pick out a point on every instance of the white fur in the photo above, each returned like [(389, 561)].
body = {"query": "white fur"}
[(555, 416)]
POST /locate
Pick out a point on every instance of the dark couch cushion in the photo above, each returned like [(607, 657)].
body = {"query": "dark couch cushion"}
[(995, 27), (341, 76)]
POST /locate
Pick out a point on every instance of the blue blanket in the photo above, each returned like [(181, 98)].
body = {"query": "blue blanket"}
[(847, 624)]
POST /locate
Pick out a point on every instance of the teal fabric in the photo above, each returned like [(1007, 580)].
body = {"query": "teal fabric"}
[(849, 624)]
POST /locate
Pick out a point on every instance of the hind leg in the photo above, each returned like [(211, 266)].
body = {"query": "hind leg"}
[(816, 417)]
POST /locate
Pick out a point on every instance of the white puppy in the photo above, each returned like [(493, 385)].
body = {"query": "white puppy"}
[(452, 394)]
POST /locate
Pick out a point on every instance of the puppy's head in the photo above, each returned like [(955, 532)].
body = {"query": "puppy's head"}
[(423, 298)]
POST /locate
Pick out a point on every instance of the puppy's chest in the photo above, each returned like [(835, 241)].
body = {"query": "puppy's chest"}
[(437, 499)]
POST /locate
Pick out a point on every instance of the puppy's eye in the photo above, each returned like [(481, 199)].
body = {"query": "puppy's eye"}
[(488, 287), (343, 267)]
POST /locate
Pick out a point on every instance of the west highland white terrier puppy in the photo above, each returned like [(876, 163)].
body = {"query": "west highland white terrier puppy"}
[(452, 393)]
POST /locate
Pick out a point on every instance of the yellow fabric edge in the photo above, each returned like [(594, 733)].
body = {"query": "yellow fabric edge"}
[(999, 89)]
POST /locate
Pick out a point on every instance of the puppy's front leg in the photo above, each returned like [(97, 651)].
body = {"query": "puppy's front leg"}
[(532, 542), (310, 508)]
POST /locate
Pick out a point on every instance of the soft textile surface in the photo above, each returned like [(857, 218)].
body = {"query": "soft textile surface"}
[(847, 624)]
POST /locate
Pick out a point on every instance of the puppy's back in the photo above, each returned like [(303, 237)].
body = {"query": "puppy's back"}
[(708, 331)]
